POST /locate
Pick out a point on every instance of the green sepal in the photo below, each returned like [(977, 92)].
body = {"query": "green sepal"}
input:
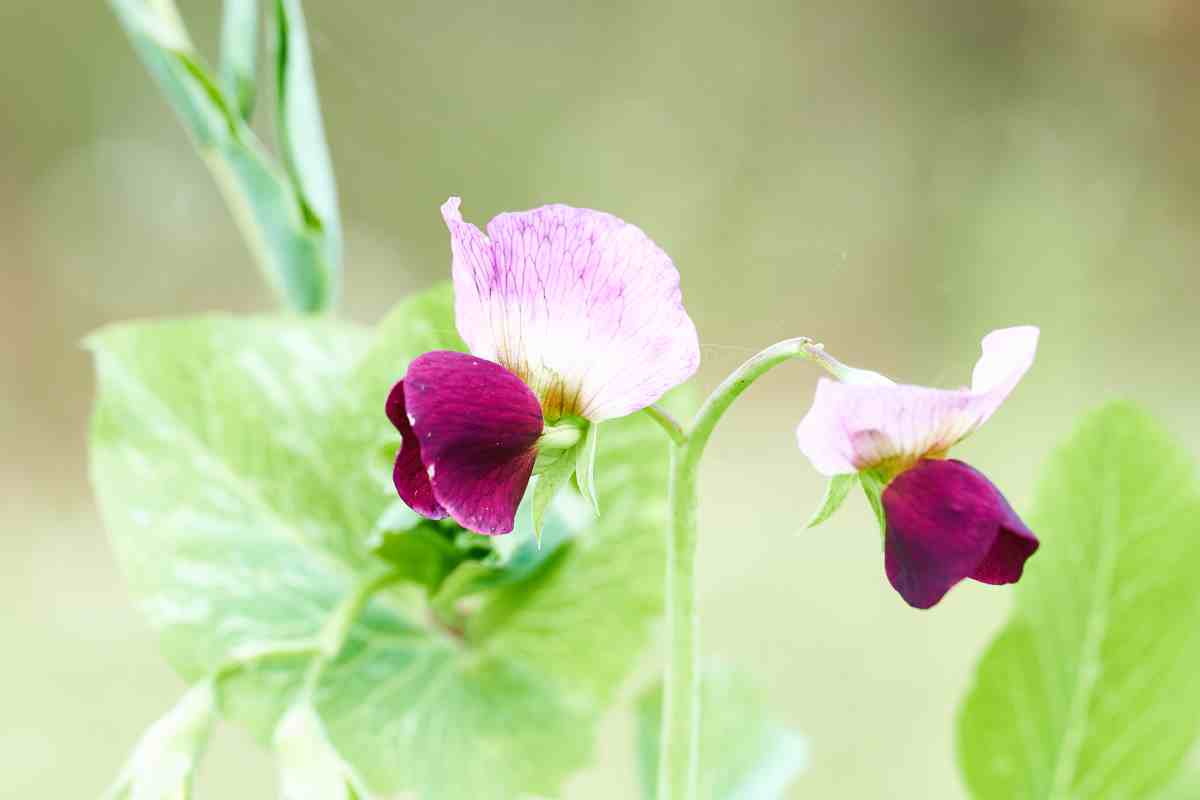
[(835, 494), (554, 476), (873, 483), (585, 466)]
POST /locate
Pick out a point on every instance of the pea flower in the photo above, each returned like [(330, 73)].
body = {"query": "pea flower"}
[(943, 520), (572, 317)]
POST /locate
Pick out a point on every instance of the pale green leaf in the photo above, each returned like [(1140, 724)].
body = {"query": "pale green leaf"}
[(585, 466), (239, 54), (744, 753), (164, 762), (835, 494), (289, 241), (1090, 690), (237, 467), (300, 128)]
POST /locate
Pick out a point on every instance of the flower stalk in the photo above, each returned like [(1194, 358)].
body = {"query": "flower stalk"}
[(679, 753)]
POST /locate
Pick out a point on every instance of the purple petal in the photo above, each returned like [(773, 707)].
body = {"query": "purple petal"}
[(580, 304), (852, 427), (412, 482), (478, 426), (946, 522)]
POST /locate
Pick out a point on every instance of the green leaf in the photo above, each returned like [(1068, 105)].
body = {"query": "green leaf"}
[(873, 484), (585, 466), (239, 54), (164, 762), (744, 754), (236, 463), (835, 494), (553, 477), (291, 243), (300, 129), (310, 768), (1090, 690)]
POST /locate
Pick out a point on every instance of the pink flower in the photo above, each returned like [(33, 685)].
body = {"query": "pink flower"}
[(569, 313), (944, 521)]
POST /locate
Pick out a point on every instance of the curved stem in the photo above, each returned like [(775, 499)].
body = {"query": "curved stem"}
[(667, 423), (679, 746)]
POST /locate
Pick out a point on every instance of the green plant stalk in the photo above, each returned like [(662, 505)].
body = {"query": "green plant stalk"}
[(336, 631), (679, 754)]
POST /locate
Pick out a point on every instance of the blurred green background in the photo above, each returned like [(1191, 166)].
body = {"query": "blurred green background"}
[(895, 177)]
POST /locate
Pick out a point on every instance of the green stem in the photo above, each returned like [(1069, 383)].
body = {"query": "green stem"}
[(678, 764)]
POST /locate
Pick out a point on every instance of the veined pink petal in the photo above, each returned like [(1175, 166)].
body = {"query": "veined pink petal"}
[(581, 305), (947, 522), (477, 426), (852, 427)]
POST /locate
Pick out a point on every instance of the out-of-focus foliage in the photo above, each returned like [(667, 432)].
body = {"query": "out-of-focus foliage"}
[(1090, 692)]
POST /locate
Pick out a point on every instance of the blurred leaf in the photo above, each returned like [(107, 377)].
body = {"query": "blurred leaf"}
[(1090, 691), (239, 54), (310, 768), (744, 754), (234, 461), (164, 762), (288, 240), (835, 494), (301, 131)]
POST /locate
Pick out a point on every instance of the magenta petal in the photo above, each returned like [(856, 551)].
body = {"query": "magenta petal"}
[(478, 426), (946, 522), (412, 482)]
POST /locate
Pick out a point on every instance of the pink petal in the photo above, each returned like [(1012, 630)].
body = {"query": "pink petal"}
[(852, 427), (478, 427), (580, 304), (409, 476), (947, 522)]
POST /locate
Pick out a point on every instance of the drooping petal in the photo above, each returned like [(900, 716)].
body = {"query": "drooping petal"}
[(409, 476), (581, 305), (946, 522), (852, 427), (478, 426)]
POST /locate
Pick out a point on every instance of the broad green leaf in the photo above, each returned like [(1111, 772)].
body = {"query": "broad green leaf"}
[(1090, 690), (239, 54), (744, 754), (289, 240), (237, 468), (310, 768), (835, 494), (164, 762), (300, 129), (553, 477), (421, 553), (585, 466)]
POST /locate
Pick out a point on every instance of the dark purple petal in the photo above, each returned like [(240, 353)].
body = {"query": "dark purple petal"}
[(946, 522), (478, 426), (412, 482)]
